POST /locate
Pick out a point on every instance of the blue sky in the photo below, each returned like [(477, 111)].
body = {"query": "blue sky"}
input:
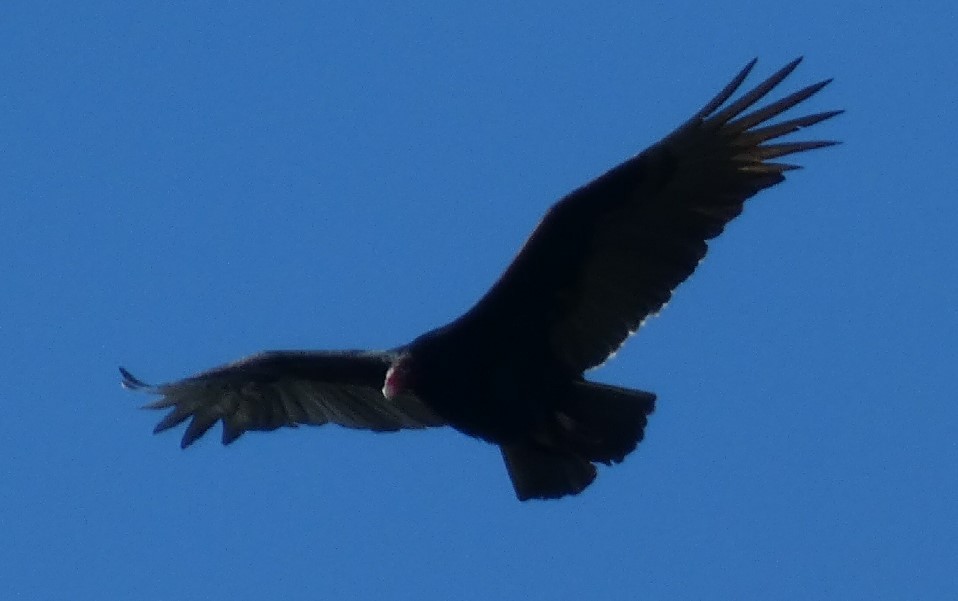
[(184, 183)]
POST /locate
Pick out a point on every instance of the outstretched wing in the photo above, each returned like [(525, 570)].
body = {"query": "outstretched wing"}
[(287, 388), (610, 254)]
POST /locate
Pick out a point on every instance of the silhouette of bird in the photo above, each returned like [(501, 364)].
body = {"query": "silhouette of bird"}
[(510, 370)]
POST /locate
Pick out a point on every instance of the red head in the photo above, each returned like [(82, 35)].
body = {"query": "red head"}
[(398, 377)]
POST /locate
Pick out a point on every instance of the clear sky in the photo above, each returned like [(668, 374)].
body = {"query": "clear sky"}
[(185, 183)]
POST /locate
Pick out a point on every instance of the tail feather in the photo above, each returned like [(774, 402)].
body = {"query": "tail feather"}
[(541, 473), (596, 423), (604, 423)]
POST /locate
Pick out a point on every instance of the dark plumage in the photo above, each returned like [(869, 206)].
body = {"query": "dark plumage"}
[(510, 370)]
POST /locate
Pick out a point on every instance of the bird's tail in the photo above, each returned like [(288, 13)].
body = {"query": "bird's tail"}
[(539, 472), (597, 423), (604, 423)]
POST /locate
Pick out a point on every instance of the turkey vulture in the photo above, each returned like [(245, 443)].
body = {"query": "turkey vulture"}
[(510, 370)]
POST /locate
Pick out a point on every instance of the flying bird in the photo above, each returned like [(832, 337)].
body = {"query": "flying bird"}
[(510, 371)]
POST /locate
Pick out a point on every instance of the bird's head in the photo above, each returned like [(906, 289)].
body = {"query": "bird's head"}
[(399, 377)]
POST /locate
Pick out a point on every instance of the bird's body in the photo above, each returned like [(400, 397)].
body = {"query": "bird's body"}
[(510, 370)]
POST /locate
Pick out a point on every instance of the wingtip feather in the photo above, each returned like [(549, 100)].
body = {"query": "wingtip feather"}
[(131, 382), (230, 435), (727, 92), (755, 94)]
